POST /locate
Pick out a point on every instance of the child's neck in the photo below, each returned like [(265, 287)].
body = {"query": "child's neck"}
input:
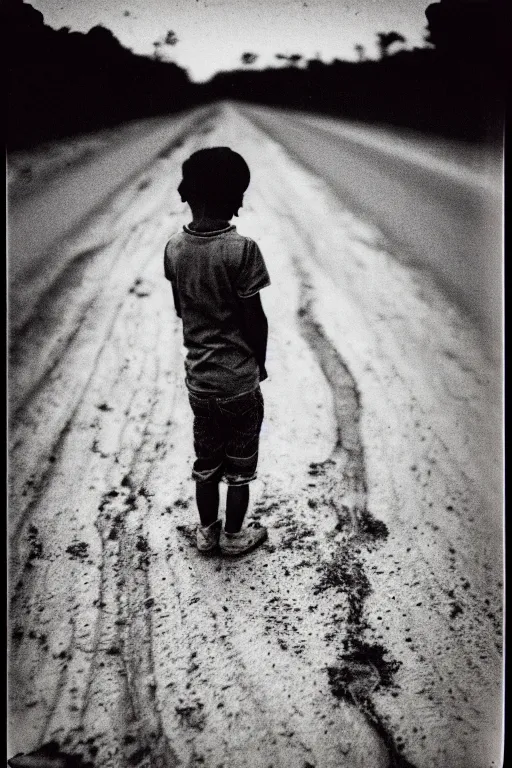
[(204, 222)]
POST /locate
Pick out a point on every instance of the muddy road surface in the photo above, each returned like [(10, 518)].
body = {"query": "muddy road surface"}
[(367, 631)]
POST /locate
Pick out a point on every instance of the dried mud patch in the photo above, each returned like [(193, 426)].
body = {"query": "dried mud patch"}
[(363, 670), (49, 755), (78, 551), (347, 576)]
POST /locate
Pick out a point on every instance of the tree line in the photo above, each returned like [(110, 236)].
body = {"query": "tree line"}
[(61, 82), (453, 86)]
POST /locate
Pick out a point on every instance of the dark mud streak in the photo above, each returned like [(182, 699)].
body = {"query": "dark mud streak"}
[(31, 573), (38, 490), (61, 682), (65, 655), (362, 668), (136, 646), (103, 527)]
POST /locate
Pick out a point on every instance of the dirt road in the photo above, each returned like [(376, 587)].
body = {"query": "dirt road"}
[(438, 203), (368, 630)]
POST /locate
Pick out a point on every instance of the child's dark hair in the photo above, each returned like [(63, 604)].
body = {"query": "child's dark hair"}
[(217, 177)]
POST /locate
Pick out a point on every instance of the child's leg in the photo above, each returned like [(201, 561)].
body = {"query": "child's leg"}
[(207, 498), (237, 501)]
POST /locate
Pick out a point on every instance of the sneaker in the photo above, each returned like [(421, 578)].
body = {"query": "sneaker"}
[(208, 538), (244, 541)]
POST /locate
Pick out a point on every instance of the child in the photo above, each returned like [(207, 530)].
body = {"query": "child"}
[(216, 275)]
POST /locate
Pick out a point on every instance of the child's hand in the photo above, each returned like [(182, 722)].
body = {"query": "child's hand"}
[(263, 373)]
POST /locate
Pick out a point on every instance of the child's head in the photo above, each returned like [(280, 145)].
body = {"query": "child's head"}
[(215, 179)]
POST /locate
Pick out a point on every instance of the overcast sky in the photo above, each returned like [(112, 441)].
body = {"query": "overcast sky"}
[(213, 34)]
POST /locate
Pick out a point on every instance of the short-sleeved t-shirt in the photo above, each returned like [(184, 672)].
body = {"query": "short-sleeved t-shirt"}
[(210, 272)]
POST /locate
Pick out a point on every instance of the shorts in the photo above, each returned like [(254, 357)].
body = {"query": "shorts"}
[(226, 437)]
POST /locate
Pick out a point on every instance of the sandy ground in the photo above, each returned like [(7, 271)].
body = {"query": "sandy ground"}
[(368, 630)]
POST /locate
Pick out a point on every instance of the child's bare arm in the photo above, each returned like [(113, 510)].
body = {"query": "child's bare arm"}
[(255, 329), (169, 274), (177, 305)]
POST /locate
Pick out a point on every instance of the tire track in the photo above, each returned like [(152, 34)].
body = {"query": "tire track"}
[(362, 667), (37, 485), (56, 448), (125, 590), (136, 644), (125, 567), (124, 648), (31, 339), (115, 654)]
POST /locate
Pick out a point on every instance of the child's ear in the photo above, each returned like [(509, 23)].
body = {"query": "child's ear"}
[(240, 205)]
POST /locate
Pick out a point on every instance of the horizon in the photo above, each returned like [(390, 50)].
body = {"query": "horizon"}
[(200, 45)]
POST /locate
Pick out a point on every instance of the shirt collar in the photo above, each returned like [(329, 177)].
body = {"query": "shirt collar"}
[(212, 233)]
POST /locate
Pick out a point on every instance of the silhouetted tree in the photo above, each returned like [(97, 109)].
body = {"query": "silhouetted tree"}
[(60, 82), (171, 38), (386, 39), (292, 59), (360, 50), (249, 58)]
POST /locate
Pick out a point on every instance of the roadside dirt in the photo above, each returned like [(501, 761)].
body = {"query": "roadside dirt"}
[(367, 630)]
